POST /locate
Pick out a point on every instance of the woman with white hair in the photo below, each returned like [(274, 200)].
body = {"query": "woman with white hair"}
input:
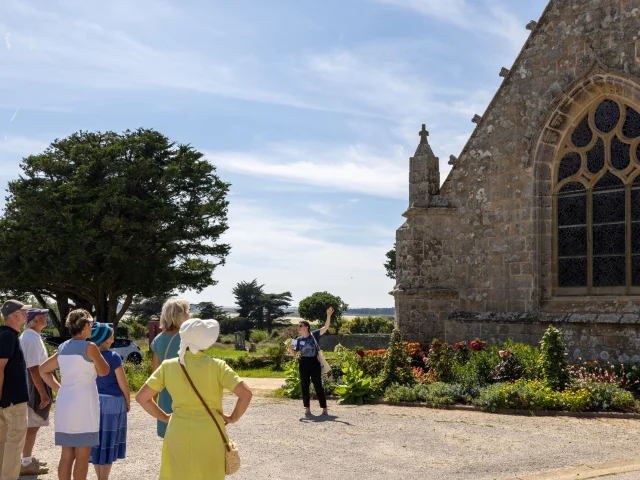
[(175, 312), (193, 447)]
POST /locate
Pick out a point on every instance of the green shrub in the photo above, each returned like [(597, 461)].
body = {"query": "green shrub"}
[(509, 368), (247, 361), (229, 339), (292, 388), (355, 386), (50, 331), (478, 370), (138, 330), (440, 360), (404, 393), (372, 364), (528, 356), (137, 374), (553, 360), (122, 330), (258, 336), (441, 394), (397, 366), (277, 355), (370, 325), (234, 324)]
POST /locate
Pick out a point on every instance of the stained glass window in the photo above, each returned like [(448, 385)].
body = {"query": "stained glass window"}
[(598, 203)]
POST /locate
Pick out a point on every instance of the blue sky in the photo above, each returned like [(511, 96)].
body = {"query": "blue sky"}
[(310, 109)]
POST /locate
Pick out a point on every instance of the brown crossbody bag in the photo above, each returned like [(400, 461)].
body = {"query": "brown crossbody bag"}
[(231, 454)]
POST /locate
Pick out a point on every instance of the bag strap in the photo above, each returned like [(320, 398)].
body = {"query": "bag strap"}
[(317, 346), (224, 439), (166, 350)]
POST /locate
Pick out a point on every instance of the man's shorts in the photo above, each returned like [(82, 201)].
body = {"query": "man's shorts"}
[(35, 420)]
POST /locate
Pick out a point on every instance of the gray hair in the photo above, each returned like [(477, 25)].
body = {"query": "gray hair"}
[(175, 312)]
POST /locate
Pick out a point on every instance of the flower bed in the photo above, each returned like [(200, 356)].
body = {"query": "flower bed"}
[(509, 376)]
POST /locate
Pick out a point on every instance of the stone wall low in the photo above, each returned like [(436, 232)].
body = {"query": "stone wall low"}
[(370, 341), (614, 338)]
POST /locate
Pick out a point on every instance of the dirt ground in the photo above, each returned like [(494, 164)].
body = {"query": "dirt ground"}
[(386, 442)]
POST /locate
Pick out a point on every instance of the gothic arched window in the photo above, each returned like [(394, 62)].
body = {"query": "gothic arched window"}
[(597, 202)]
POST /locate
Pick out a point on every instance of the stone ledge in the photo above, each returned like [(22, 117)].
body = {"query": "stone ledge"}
[(537, 318), (430, 292), (432, 210)]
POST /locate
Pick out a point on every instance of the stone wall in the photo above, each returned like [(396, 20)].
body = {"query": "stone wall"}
[(370, 341), (605, 337), (484, 242)]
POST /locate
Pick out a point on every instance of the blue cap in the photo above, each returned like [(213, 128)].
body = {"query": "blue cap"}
[(100, 332)]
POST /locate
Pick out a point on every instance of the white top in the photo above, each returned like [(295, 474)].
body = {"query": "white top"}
[(35, 353)]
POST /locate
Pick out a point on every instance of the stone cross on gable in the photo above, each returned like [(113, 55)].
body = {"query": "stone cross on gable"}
[(423, 134)]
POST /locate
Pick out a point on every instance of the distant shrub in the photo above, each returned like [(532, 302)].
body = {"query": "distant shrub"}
[(258, 336), (233, 325), (138, 330), (369, 325), (228, 339), (122, 330)]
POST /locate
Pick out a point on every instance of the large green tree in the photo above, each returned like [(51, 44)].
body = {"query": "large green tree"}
[(248, 299), (314, 308), (274, 305), (99, 218)]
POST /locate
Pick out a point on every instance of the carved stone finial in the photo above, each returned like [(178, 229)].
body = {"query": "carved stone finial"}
[(453, 160), (423, 134), (504, 72), (476, 119), (531, 25)]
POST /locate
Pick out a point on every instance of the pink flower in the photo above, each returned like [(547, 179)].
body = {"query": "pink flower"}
[(501, 353)]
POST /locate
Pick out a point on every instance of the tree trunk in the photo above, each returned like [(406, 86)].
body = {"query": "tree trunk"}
[(123, 310)]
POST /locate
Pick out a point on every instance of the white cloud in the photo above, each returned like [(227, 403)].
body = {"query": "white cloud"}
[(350, 169), (490, 17), (6, 41), (321, 208), (287, 253)]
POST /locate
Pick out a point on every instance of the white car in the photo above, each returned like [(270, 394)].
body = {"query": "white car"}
[(127, 349)]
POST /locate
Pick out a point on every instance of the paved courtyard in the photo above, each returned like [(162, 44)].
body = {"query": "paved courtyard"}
[(384, 442)]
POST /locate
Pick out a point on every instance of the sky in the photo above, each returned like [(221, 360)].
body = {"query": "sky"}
[(310, 109)]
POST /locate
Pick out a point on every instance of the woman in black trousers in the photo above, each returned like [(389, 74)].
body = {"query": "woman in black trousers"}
[(308, 344)]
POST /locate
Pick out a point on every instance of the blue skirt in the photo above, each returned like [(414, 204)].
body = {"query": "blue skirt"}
[(113, 431)]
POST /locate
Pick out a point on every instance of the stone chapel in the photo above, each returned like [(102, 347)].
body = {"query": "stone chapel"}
[(538, 222)]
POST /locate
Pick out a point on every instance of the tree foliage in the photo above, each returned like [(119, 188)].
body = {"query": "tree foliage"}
[(314, 308), (274, 305), (144, 310), (248, 298), (210, 311), (390, 264), (99, 218)]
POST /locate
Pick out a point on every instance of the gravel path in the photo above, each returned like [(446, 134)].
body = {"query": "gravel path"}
[(385, 442)]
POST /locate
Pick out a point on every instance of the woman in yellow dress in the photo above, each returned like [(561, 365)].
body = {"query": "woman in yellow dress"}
[(193, 448)]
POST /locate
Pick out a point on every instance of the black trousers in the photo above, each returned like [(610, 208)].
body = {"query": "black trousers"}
[(310, 372)]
